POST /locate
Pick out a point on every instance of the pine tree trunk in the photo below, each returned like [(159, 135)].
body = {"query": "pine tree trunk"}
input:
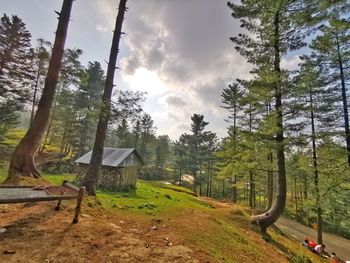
[(319, 225), (301, 200), (234, 189), (270, 171), (22, 159), (316, 177), (234, 178), (82, 140), (271, 216), (296, 196), (251, 189), (91, 177), (345, 103), (305, 189), (69, 138), (208, 179), (180, 177), (211, 183), (223, 188), (48, 130), (63, 141), (35, 92), (269, 184)]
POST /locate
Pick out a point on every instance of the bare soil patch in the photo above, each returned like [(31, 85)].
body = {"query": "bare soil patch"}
[(37, 233)]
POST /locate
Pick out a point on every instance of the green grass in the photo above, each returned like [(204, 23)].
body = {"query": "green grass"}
[(13, 136), (150, 198), (230, 241), (52, 179), (3, 172), (58, 179)]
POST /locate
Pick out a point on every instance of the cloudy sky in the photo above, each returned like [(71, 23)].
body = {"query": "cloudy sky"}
[(178, 51)]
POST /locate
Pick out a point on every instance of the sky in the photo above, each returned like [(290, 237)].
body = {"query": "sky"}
[(178, 51)]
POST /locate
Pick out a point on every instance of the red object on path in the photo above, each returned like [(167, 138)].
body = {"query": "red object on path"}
[(311, 243)]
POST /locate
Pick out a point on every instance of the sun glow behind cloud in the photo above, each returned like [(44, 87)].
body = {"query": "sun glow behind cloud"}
[(147, 81)]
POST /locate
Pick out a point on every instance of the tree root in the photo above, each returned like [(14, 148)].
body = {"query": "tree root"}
[(22, 164)]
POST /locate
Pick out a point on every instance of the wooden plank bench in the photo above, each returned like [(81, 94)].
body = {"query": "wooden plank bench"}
[(11, 194)]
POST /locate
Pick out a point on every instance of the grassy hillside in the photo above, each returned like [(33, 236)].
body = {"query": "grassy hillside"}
[(219, 229), (208, 230)]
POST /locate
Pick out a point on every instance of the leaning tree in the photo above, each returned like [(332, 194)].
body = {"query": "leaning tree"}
[(91, 177), (22, 159)]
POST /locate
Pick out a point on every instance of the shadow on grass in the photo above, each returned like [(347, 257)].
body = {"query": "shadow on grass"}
[(278, 230), (126, 194)]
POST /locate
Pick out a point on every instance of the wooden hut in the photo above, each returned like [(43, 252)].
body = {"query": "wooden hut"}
[(120, 168)]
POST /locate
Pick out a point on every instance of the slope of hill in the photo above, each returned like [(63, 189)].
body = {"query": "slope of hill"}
[(157, 223)]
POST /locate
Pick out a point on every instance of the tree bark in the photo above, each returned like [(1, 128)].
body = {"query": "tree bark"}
[(234, 188), (319, 224), (211, 183), (345, 103), (81, 148), (305, 188), (234, 177), (270, 171), (251, 189), (22, 159), (316, 177), (35, 92), (208, 177), (271, 216), (223, 188), (269, 184), (63, 141), (91, 177), (180, 177), (48, 130)]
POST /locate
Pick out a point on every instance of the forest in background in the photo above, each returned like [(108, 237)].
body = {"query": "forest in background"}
[(302, 113)]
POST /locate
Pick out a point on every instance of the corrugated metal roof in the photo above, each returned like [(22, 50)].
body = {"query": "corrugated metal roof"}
[(111, 156)]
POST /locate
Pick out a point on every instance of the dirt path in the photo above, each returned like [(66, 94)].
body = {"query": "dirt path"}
[(339, 245)]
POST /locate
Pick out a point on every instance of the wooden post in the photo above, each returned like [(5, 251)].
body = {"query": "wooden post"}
[(82, 191), (58, 206)]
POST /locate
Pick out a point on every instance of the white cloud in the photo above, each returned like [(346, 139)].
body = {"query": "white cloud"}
[(101, 28), (179, 52), (291, 63)]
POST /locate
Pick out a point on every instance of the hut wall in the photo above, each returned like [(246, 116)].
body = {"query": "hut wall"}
[(131, 160), (122, 178), (80, 172), (119, 179)]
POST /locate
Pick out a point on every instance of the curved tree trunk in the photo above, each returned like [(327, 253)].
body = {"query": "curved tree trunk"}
[(270, 183), (271, 216), (22, 159), (90, 179)]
